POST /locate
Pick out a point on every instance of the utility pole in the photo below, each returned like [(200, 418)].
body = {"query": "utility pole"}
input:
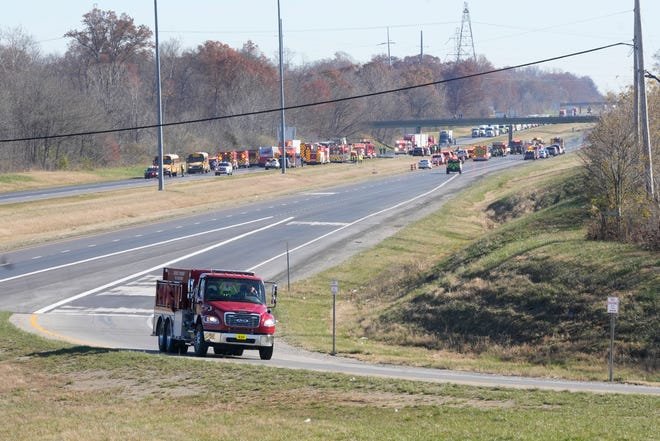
[(389, 57), (421, 47), (642, 123), (282, 125), (388, 42), (161, 178)]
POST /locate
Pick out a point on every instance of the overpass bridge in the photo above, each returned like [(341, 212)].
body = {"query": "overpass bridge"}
[(418, 124), (475, 122)]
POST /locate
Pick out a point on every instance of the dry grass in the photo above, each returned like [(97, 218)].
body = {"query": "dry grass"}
[(39, 221)]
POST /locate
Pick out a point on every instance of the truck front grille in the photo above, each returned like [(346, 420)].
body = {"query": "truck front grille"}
[(238, 320)]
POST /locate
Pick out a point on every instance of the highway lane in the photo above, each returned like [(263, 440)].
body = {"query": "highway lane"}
[(110, 302), (95, 260), (123, 184)]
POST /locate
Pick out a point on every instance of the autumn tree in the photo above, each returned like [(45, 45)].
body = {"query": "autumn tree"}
[(377, 76), (422, 101), (109, 59), (106, 38), (465, 95)]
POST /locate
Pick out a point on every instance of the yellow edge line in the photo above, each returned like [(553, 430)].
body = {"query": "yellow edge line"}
[(41, 329)]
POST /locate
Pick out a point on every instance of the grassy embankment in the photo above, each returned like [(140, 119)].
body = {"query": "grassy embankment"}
[(54, 391), (499, 280)]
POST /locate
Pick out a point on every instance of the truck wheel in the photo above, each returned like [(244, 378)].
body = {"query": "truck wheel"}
[(170, 344), (161, 337), (266, 353), (201, 347)]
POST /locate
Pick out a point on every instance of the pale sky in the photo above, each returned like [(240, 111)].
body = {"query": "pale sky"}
[(507, 32)]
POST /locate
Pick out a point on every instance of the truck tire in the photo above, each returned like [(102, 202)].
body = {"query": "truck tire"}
[(266, 352), (161, 337), (170, 343), (201, 347)]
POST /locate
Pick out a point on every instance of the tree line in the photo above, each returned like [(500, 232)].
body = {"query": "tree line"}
[(106, 80)]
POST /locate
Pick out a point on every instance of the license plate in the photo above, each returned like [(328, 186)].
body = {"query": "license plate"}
[(241, 337)]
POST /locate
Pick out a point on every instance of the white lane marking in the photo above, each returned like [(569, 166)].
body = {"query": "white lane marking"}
[(37, 257), (113, 312), (316, 224), (350, 224), (132, 291), (320, 193), (116, 240), (91, 245), (64, 251), (91, 259), (138, 235), (157, 267)]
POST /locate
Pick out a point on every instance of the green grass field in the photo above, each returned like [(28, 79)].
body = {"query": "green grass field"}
[(54, 391)]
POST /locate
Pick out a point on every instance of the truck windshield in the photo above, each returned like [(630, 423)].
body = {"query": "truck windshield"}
[(237, 290)]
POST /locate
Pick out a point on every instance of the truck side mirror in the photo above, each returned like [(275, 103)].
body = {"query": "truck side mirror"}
[(274, 295)]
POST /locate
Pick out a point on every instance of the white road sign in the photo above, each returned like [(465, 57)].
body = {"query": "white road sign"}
[(613, 305)]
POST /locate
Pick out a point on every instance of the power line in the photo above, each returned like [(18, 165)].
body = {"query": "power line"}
[(317, 103)]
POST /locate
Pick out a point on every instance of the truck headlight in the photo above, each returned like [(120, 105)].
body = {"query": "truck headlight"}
[(211, 319), (269, 322)]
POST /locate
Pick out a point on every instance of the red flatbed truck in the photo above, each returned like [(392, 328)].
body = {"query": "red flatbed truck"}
[(223, 309)]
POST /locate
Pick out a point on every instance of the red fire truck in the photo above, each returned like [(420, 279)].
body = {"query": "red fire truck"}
[(314, 153), (339, 152), (265, 153), (223, 309)]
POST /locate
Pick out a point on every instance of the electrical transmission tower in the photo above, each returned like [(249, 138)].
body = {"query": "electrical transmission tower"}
[(464, 41)]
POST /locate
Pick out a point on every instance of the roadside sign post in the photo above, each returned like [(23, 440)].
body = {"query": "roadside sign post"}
[(612, 310), (334, 288), (288, 269)]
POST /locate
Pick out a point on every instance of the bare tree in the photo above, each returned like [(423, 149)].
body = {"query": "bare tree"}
[(614, 171)]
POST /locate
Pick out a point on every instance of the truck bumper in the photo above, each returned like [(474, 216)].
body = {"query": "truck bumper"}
[(230, 338)]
